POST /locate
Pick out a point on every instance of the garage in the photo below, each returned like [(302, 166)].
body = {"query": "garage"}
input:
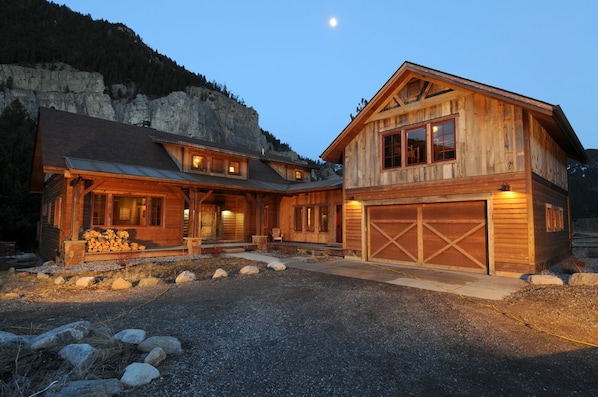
[(441, 235)]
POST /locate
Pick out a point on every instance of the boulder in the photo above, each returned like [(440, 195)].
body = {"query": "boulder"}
[(170, 344), (277, 265), (148, 282), (185, 277), (155, 357), (85, 281), (220, 273), (544, 279), (587, 279), (138, 374), (99, 387), (42, 276), (131, 336), (62, 335), (248, 270), (81, 356), (121, 283), (59, 280)]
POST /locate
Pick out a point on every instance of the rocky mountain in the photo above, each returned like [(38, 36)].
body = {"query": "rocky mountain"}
[(197, 112)]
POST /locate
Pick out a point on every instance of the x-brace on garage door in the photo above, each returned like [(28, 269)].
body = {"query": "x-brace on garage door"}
[(444, 235)]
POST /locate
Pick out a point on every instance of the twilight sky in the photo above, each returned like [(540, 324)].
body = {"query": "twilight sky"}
[(305, 77)]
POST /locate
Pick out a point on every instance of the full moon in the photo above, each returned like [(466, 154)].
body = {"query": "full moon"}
[(333, 22)]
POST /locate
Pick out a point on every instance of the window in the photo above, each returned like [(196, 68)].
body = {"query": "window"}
[(129, 211), (392, 150), (234, 167), (57, 211), (98, 217), (555, 219), (298, 219), (310, 218), (199, 163), (218, 166), (323, 213), (410, 146), (443, 138), (156, 211), (416, 146), (298, 175)]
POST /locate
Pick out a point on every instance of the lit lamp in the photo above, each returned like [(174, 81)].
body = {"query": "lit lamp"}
[(505, 187)]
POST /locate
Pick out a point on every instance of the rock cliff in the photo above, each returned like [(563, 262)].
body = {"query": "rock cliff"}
[(198, 112)]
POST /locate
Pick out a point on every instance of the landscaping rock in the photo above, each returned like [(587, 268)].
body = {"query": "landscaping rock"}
[(80, 356), (185, 277), (121, 283), (95, 388), (148, 282), (155, 357), (138, 374), (85, 281), (8, 339), (62, 335), (131, 336), (59, 280), (220, 273), (42, 276), (11, 295), (544, 279), (248, 270), (276, 265), (170, 344), (587, 279)]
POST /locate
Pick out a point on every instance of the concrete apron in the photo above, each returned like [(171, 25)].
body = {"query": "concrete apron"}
[(466, 284)]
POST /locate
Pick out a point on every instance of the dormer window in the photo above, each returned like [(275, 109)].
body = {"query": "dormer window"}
[(218, 165), (298, 175), (234, 167), (199, 163)]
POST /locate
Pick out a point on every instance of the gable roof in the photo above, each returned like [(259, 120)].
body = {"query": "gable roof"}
[(551, 117), (74, 142)]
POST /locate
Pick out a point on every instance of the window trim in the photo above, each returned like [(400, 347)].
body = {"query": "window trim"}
[(109, 208)]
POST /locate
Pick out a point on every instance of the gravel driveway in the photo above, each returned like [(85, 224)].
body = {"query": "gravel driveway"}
[(298, 333)]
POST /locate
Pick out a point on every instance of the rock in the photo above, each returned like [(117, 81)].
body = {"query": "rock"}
[(132, 336), (85, 281), (219, 273), (249, 270), (544, 279), (11, 270), (138, 374), (8, 339), (11, 295), (59, 280), (80, 356), (95, 388), (276, 265), (121, 283), (148, 282), (62, 335), (185, 277), (170, 344), (155, 357), (587, 279), (42, 276)]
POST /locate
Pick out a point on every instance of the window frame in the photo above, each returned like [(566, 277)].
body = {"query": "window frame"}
[(154, 217), (433, 144)]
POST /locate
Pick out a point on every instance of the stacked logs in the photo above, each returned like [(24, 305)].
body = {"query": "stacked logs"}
[(109, 240)]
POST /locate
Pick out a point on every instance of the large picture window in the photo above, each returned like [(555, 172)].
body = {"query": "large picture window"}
[(422, 144), (127, 210)]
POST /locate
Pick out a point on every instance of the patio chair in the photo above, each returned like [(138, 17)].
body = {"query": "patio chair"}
[(276, 234)]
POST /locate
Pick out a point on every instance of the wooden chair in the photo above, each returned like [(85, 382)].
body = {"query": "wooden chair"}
[(276, 234)]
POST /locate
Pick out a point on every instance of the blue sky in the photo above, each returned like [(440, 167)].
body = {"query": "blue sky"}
[(305, 78)]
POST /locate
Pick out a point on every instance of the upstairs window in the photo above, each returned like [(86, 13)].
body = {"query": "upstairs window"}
[(443, 140), (298, 175), (199, 163), (416, 146), (218, 165), (424, 144), (234, 167)]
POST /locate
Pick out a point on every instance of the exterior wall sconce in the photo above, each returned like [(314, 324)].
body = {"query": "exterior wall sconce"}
[(350, 198), (505, 187)]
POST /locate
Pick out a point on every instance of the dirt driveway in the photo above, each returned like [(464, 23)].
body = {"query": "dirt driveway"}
[(305, 334)]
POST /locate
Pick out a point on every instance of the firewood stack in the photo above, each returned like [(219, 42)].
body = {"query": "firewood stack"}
[(110, 240)]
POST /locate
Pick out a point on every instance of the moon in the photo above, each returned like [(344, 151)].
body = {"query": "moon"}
[(332, 22)]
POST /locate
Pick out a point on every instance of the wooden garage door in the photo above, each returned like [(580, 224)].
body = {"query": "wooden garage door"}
[(445, 235)]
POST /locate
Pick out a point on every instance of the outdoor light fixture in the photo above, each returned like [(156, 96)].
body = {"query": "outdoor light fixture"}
[(505, 187)]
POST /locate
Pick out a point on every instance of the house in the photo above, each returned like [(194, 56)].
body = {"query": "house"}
[(444, 172), (168, 192)]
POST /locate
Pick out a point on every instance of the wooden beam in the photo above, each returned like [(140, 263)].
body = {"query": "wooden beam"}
[(96, 183), (424, 103)]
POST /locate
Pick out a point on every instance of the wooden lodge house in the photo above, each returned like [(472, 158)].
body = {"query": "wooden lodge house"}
[(438, 171), (444, 172), (169, 192)]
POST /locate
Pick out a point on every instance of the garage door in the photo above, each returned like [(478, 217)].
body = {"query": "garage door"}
[(444, 235)]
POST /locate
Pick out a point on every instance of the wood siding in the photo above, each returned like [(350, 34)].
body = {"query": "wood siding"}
[(489, 140), (50, 235), (548, 160), (316, 200)]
